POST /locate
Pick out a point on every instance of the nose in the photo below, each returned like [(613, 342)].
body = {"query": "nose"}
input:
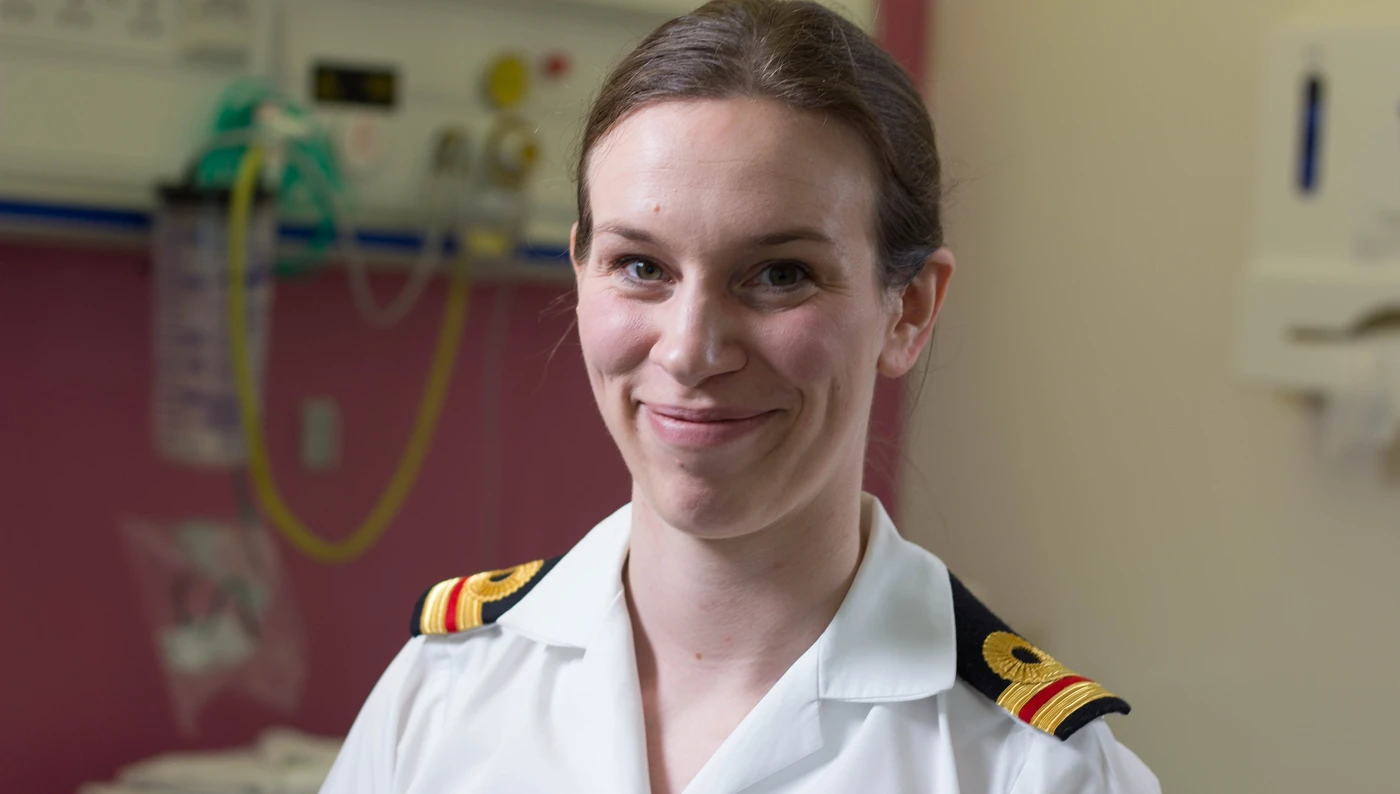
[(699, 337)]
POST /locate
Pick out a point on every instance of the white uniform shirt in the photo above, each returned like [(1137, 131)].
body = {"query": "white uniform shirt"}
[(547, 700)]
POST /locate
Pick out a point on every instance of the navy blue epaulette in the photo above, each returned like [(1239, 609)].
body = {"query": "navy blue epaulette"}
[(1020, 677), (468, 602)]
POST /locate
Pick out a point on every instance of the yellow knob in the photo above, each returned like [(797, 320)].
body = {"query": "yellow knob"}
[(507, 81)]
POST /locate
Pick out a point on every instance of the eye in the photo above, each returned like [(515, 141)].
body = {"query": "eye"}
[(644, 270), (782, 274)]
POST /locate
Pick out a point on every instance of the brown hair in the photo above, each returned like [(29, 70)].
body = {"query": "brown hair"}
[(809, 58)]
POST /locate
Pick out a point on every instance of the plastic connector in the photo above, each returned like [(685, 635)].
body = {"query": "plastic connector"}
[(452, 153)]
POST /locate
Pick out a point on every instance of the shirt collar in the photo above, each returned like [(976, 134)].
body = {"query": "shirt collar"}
[(891, 639)]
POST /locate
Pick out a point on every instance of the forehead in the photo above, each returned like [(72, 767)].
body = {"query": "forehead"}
[(737, 165)]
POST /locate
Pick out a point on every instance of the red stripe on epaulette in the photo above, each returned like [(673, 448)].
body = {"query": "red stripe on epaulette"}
[(1027, 713), (454, 598), (1020, 677), (468, 602)]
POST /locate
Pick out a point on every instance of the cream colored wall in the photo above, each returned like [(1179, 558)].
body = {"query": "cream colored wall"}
[(1084, 453)]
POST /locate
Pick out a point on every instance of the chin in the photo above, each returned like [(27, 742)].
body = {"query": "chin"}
[(706, 508)]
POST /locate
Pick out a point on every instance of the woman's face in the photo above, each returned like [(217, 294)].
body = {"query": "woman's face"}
[(730, 309)]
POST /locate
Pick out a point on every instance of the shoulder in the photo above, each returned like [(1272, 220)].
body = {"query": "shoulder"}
[(1023, 680), (453, 630), (1030, 722), (466, 603), (997, 752), (454, 648)]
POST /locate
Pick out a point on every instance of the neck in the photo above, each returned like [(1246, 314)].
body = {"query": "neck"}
[(740, 609)]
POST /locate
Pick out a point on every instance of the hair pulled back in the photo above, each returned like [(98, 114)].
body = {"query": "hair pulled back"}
[(809, 58)]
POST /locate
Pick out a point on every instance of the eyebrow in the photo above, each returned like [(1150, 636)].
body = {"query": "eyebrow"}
[(766, 240)]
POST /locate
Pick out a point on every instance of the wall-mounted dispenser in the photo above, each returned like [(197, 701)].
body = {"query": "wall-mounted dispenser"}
[(1321, 299)]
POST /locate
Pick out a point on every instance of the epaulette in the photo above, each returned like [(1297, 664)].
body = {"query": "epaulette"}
[(1020, 677), (468, 602)]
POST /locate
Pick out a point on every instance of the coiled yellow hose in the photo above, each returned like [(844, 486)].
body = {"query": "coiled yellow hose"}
[(430, 407)]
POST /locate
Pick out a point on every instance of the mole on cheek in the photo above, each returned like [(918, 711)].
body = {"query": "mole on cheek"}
[(656, 209)]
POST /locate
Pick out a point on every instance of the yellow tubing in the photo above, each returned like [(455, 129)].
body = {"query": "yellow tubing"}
[(449, 339)]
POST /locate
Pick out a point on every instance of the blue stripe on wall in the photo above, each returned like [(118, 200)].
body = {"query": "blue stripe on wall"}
[(138, 221)]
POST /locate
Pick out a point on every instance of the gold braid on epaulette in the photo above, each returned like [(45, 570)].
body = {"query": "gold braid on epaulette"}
[(1020, 677), (464, 603)]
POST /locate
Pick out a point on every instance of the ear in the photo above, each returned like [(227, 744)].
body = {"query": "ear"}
[(573, 253), (918, 308)]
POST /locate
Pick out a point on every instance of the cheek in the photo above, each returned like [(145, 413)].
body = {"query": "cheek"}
[(614, 333), (820, 349)]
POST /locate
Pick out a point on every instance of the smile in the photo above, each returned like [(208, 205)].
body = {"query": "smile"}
[(690, 427)]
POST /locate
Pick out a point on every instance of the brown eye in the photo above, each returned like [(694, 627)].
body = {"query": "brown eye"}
[(782, 274)]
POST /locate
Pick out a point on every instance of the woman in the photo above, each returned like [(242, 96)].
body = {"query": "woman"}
[(758, 240)]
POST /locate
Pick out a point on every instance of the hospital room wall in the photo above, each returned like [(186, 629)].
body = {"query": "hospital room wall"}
[(1084, 451), (521, 468), (82, 688)]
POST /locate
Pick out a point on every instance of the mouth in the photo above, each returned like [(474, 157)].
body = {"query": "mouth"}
[(702, 427)]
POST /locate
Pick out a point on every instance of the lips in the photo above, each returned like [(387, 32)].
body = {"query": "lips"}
[(685, 426)]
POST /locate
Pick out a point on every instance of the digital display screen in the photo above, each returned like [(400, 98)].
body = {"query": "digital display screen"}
[(367, 86)]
